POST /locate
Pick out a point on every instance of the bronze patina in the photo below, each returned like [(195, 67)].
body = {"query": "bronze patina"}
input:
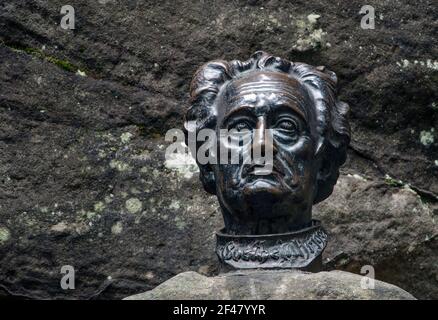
[(291, 110)]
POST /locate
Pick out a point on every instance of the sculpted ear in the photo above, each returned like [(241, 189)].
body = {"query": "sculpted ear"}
[(328, 172), (325, 169), (206, 176)]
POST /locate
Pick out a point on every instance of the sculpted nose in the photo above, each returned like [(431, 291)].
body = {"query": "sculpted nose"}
[(262, 141)]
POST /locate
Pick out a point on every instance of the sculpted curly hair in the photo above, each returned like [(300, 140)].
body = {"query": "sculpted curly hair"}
[(321, 84)]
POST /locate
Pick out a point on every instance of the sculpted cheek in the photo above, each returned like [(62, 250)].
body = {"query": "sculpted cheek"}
[(303, 148)]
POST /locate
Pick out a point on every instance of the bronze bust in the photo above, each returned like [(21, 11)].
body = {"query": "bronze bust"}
[(291, 111)]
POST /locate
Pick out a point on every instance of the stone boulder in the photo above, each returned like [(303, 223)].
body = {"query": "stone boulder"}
[(269, 284)]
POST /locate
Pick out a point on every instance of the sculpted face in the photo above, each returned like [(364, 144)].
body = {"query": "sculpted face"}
[(269, 136), (274, 113)]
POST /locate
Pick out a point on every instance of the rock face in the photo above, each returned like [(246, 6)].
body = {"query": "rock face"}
[(391, 229), (84, 112), (276, 285)]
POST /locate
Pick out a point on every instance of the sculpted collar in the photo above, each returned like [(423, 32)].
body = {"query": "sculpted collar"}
[(296, 249)]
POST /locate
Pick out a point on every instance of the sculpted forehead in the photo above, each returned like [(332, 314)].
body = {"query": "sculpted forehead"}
[(265, 78), (265, 89)]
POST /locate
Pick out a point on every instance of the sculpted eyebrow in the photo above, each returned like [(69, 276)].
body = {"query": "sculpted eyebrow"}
[(298, 107), (244, 110), (248, 111)]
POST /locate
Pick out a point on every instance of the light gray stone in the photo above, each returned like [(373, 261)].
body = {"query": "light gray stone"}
[(270, 284)]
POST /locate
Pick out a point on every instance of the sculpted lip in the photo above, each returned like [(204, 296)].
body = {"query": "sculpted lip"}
[(272, 177), (260, 171)]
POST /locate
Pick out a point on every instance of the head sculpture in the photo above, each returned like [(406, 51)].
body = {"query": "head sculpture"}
[(289, 109)]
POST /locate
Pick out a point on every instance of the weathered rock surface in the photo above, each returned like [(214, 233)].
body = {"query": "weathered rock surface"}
[(83, 114), (390, 229), (275, 285)]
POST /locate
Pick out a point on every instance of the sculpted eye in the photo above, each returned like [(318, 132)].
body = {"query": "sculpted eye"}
[(241, 125), (287, 125)]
